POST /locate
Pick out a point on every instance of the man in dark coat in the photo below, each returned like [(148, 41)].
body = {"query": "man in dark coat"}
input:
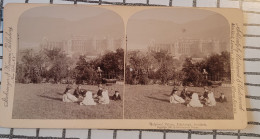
[(116, 96), (206, 92), (205, 97), (222, 98), (100, 90), (185, 94), (77, 92)]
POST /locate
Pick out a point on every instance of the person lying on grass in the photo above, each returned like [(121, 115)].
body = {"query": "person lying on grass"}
[(194, 102), (116, 96), (68, 97), (174, 98), (88, 99)]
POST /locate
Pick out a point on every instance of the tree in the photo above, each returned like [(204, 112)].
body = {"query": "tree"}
[(225, 58), (192, 73), (85, 71), (151, 65), (56, 65), (218, 66), (30, 67), (167, 66), (112, 64), (139, 64)]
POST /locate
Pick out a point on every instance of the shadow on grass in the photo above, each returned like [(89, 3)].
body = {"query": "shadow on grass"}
[(159, 99), (60, 93), (52, 98), (168, 95)]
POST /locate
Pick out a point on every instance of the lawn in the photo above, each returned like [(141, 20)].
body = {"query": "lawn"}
[(44, 101), (152, 102)]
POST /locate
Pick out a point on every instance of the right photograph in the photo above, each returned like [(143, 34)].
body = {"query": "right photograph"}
[(178, 65)]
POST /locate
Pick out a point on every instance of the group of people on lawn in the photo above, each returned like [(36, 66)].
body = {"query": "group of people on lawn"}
[(194, 100), (85, 97)]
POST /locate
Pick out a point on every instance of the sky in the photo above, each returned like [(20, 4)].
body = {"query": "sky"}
[(159, 25), (60, 23), (169, 25)]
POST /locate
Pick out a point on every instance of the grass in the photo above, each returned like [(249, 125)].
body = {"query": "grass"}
[(152, 102), (44, 101)]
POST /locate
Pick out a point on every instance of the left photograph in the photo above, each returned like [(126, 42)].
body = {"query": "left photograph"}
[(70, 64)]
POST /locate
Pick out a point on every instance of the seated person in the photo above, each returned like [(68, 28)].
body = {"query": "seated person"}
[(104, 99), (68, 97), (185, 94), (204, 97), (88, 99), (173, 90), (174, 98), (67, 88), (222, 98), (210, 101), (116, 96), (100, 90), (194, 102), (83, 92), (77, 92)]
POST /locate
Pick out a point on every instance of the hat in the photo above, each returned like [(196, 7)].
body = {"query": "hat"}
[(69, 86), (175, 88)]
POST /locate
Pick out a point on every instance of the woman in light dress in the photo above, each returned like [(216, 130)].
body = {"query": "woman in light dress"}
[(68, 97), (194, 102), (174, 98), (211, 99), (104, 99), (88, 99)]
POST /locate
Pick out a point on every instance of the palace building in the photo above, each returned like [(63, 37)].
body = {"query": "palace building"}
[(80, 45), (189, 47)]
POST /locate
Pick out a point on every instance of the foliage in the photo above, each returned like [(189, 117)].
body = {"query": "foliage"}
[(85, 71), (150, 66), (57, 64), (30, 68), (49, 64), (138, 68), (111, 64), (52, 65), (217, 66), (160, 67), (192, 74)]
